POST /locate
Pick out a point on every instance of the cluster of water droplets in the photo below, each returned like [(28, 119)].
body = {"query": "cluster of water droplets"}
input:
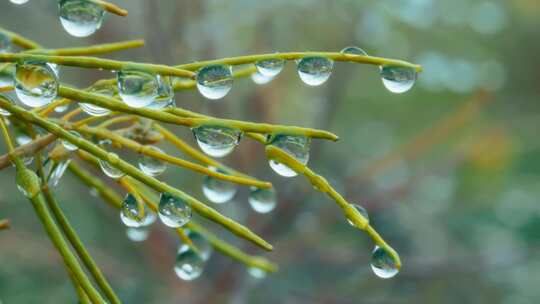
[(296, 146), (80, 18)]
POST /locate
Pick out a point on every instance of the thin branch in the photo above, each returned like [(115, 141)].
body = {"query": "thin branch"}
[(112, 8), (20, 40), (95, 49)]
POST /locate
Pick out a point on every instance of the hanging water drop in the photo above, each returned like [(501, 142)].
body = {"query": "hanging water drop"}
[(189, 265), (362, 212), (173, 211), (3, 111), (5, 43), (214, 81), (109, 169), (204, 247), (216, 190), (7, 71), (55, 170), (61, 108), (260, 79), (80, 18), (137, 89), (295, 146), (130, 215), (398, 79), (23, 178), (256, 273), (68, 145), (382, 263), (93, 110), (353, 50), (18, 2), (262, 200), (217, 141), (165, 94), (270, 67), (23, 139), (138, 234), (36, 83), (152, 166), (315, 71)]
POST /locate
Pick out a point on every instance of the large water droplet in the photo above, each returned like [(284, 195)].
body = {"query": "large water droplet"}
[(262, 200), (137, 88), (19, 2), (360, 210), (55, 170), (204, 247), (214, 81), (130, 215), (80, 18), (5, 43), (256, 273), (217, 141), (315, 71), (5, 112), (93, 110), (36, 83), (295, 146), (398, 79), (270, 67), (353, 50), (173, 211), (165, 94), (68, 145), (138, 234), (7, 71), (382, 263), (216, 190), (152, 166), (109, 169), (260, 79), (189, 265)]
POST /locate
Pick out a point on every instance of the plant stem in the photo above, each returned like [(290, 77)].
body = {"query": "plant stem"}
[(95, 49), (97, 63), (337, 56), (20, 40), (112, 8)]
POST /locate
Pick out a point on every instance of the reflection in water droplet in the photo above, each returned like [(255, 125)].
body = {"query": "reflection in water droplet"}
[(165, 94), (94, 110), (315, 71), (217, 141), (204, 247), (353, 50), (189, 265), (137, 88), (260, 79), (362, 212), (270, 67), (296, 146), (68, 145), (129, 212), (262, 200), (152, 166), (173, 211), (80, 18), (382, 263), (398, 79), (139, 234), (216, 190), (18, 1), (54, 171), (36, 83), (214, 81)]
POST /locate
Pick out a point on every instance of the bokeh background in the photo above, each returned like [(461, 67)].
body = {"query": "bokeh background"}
[(449, 171)]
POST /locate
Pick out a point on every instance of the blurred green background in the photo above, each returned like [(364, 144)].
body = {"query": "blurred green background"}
[(449, 171)]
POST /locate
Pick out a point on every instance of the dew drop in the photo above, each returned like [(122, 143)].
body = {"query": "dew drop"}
[(165, 94), (139, 234), (217, 141), (262, 200), (216, 190), (129, 213), (55, 171), (260, 79), (315, 71), (23, 139), (295, 146), (3, 111), (61, 108), (18, 2), (36, 83), (353, 50), (204, 247), (109, 169), (214, 81), (94, 110), (20, 182), (5, 43), (137, 89), (382, 263), (173, 211), (68, 145), (189, 265), (256, 273), (80, 18), (152, 166), (7, 71), (362, 212), (270, 67), (398, 79)]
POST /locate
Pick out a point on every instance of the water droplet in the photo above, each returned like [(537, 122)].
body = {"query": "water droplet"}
[(129, 213), (94, 110), (19, 2), (315, 71), (165, 94), (260, 79), (152, 166), (204, 247), (109, 169), (173, 211), (23, 139), (270, 67), (137, 234), (68, 145), (6, 74), (20, 182), (256, 273), (4, 112), (55, 170), (55, 68), (61, 108), (216, 190), (214, 81), (398, 79), (36, 83), (5, 43), (362, 211), (189, 265), (217, 141), (382, 263), (137, 88), (295, 146), (353, 50), (80, 18), (262, 200)]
